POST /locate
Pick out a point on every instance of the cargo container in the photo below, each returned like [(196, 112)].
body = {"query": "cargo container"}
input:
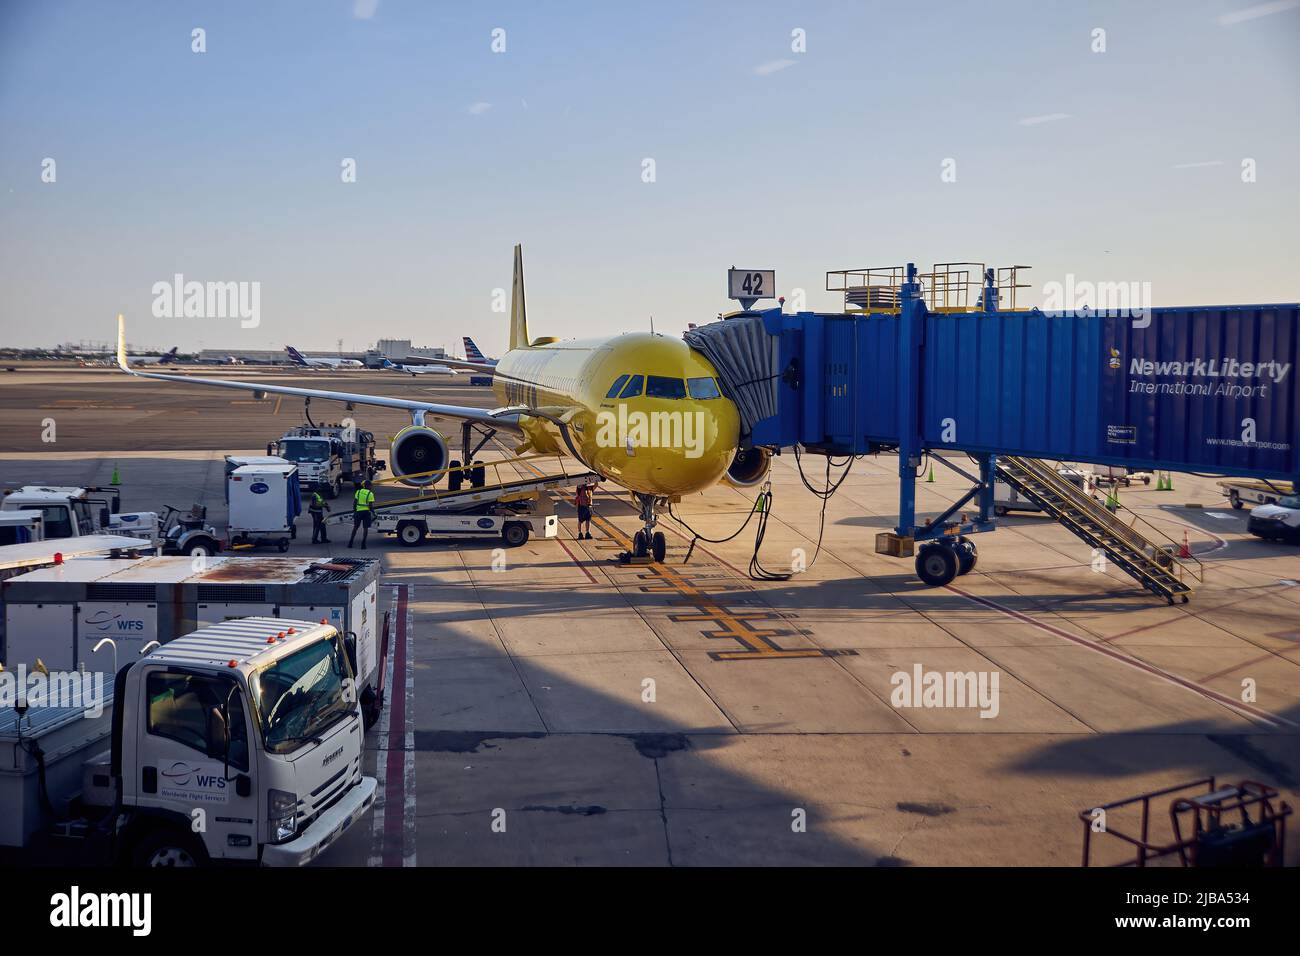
[(62, 614)]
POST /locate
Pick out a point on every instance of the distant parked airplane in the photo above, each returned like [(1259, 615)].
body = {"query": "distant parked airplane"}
[(167, 358), (418, 369), (304, 361)]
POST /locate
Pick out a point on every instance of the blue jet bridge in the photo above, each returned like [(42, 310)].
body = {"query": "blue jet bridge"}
[(910, 367)]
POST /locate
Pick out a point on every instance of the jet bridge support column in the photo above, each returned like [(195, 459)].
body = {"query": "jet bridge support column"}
[(911, 325)]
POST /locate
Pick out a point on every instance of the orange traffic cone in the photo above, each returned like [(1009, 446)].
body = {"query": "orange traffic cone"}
[(1186, 550)]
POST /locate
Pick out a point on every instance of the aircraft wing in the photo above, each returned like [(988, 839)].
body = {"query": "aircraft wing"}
[(507, 418), (472, 366)]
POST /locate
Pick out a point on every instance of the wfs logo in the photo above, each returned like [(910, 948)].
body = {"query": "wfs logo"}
[(75, 909), (108, 621), (183, 780)]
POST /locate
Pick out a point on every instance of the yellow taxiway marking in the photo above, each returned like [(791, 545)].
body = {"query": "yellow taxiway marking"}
[(758, 643)]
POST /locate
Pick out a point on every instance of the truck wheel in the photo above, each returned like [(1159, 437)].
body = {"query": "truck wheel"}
[(936, 565), (168, 847), (1000, 511), (283, 545), (333, 488), (659, 547), (410, 533), (515, 533), (1235, 498), (202, 547)]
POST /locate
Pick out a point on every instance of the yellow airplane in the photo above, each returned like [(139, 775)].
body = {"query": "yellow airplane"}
[(642, 410)]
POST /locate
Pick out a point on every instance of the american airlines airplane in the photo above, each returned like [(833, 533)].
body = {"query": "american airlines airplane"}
[(641, 410)]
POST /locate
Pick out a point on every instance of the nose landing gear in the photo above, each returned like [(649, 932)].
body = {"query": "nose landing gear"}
[(648, 542)]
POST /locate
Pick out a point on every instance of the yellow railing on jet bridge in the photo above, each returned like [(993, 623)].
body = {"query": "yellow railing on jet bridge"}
[(947, 287)]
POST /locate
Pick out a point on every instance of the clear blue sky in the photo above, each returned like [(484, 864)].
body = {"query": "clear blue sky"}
[(225, 165)]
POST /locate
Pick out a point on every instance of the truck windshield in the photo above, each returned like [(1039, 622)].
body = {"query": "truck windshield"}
[(306, 450), (300, 695), (55, 518)]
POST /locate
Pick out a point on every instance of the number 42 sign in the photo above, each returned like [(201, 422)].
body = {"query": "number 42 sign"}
[(750, 285)]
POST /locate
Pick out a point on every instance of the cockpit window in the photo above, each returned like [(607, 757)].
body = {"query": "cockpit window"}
[(633, 388), (703, 388), (660, 386), (616, 387)]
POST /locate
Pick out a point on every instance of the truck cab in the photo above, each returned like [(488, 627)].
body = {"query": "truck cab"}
[(66, 512), (239, 742), (327, 456)]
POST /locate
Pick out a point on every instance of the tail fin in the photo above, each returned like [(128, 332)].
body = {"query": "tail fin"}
[(472, 352), (295, 355), (518, 313)]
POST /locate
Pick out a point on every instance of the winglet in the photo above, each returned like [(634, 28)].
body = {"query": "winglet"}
[(121, 343), (518, 313)]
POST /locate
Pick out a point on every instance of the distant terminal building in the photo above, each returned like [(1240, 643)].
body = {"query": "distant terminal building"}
[(399, 350)]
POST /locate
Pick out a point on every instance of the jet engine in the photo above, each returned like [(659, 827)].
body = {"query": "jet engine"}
[(417, 449), (748, 468)]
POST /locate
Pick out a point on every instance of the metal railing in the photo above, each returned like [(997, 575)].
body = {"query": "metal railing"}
[(947, 287)]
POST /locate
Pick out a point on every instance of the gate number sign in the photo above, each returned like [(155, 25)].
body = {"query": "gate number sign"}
[(748, 285)]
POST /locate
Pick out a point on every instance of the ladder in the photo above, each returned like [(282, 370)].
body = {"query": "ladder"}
[(1156, 566)]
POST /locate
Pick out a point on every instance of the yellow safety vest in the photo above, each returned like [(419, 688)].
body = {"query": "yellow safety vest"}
[(365, 498)]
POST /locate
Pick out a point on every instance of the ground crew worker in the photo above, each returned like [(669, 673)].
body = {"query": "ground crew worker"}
[(363, 504), (583, 502), (317, 510)]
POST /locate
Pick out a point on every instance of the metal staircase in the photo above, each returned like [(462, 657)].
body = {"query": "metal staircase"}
[(1155, 565)]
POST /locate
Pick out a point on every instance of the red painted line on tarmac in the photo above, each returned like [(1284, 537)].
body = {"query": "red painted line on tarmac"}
[(395, 765), (581, 567), (1115, 655)]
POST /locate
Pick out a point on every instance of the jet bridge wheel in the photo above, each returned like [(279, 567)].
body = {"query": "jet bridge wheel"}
[(936, 565), (967, 556)]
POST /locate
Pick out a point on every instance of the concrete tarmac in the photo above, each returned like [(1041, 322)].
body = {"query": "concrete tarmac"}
[(558, 707)]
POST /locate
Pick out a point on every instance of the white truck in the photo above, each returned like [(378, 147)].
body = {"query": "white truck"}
[(69, 512), (1279, 520), (66, 512), (240, 742), (327, 456)]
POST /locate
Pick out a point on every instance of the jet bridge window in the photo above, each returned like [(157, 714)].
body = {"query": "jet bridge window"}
[(187, 709), (703, 388), (633, 387), (660, 386)]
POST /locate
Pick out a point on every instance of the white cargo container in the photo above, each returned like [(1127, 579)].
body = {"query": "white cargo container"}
[(265, 501), (61, 614)]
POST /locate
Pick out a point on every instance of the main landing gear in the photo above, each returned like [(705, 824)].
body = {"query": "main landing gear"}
[(648, 541), (938, 562)]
